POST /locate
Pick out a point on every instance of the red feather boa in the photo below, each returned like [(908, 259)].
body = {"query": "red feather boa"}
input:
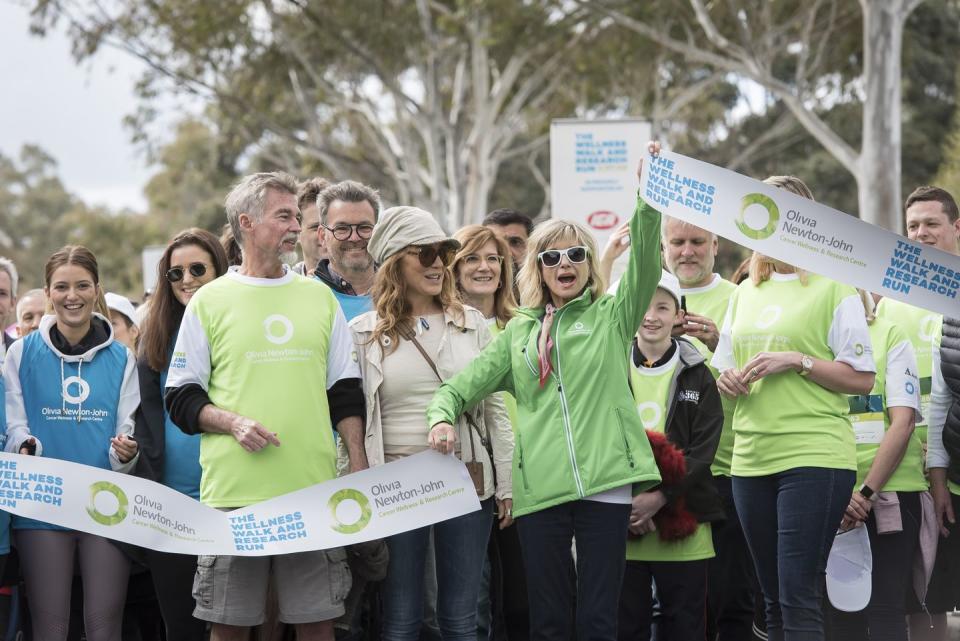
[(674, 521)]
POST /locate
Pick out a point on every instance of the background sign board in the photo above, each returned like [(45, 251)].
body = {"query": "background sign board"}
[(593, 171)]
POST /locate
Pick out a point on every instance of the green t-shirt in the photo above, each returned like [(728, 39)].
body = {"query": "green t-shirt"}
[(651, 387), (787, 420), (896, 385), (920, 325), (267, 349), (712, 301)]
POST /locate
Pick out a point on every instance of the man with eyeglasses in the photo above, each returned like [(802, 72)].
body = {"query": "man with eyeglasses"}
[(348, 211), (514, 228)]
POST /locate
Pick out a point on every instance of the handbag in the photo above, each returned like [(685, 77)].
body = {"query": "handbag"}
[(474, 466)]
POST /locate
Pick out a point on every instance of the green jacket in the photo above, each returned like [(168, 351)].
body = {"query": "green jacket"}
[(580, 434)]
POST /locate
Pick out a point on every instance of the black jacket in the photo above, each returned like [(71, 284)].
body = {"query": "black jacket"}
[(950, 367), (149, 426), (694, 423), (336, 283)]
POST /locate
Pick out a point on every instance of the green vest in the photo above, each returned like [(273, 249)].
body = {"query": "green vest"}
[(651, 385), (871, 421)]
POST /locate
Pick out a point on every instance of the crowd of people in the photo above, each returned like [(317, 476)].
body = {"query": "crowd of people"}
[(670, 456)]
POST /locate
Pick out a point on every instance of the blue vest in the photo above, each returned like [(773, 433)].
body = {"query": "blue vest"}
[(4, 516), (181, 454), (353, 306), (72, 411)]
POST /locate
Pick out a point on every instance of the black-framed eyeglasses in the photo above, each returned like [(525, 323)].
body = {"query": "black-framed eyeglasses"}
[(428, 253), (175, 274), (344, 231), (551, 257)]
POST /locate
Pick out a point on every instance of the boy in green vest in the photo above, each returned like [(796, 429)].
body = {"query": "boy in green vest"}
[(677, 395)]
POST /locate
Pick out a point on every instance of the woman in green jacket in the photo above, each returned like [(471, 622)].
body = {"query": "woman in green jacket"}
[(580, 447)]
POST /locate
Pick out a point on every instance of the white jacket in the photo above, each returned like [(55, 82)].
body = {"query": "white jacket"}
[(461, 342)]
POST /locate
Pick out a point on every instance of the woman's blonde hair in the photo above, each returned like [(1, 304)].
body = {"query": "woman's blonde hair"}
[(472, 238), (389, 294), (533, 292), (762, 266)]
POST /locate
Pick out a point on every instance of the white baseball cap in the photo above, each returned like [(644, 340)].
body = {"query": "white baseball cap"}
[(670, 284), (122, 304), (850, 570)]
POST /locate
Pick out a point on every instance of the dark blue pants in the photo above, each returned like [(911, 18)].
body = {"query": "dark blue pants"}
[(789, 520), (600, 530), (681, 592)]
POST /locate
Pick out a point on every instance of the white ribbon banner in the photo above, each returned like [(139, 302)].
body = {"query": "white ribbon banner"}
[(414, 492), (801, 232)]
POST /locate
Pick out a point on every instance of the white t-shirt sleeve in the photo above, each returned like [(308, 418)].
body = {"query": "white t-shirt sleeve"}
[(902, 386), (849, 337), (940, 399), (190, 363), (129, 401), (341, 354), (723, 358), (17, 428)]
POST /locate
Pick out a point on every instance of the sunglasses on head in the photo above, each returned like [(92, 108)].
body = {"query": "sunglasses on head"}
[(551, 257), (175, 274), (428, 254)]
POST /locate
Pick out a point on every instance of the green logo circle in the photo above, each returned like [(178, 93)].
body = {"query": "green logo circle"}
[(773, 214), (858, 349), (97, 515), (365, 511)]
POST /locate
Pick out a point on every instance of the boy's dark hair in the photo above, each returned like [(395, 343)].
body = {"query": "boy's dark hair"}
[(929, 193), (509, 217)]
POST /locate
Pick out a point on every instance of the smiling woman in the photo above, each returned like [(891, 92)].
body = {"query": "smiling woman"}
[(418, 334), (97, 396)]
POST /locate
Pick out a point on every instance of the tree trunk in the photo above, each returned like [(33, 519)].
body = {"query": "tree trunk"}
[(878, 179)]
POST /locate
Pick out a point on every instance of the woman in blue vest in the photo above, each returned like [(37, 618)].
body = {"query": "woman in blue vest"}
[(192, 259), (71, 392)]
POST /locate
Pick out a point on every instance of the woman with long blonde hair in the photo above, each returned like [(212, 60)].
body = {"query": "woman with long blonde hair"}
[(792, 346), (581, 448), (418, 335)]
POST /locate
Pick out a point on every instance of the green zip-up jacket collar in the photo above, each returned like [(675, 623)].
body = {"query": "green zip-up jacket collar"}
[(579, 434)]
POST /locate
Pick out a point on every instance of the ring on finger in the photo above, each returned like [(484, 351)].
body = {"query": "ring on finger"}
[(443, 438)]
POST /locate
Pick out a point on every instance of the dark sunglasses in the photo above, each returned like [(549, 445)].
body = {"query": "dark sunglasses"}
[(428, 254), (551, 257), (175, 274), (344, 231)]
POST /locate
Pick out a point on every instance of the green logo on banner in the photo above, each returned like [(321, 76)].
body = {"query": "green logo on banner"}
[(773, 216), (365, 512), (100, 517)]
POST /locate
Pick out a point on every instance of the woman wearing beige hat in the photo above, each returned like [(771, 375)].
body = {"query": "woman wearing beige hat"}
[(418, 335)]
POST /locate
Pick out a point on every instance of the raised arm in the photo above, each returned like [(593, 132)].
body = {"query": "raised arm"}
[(643, 270)]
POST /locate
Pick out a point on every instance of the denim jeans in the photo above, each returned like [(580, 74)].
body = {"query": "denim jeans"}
[(460, 545), (884, 618), (600, 530), (789, 520)]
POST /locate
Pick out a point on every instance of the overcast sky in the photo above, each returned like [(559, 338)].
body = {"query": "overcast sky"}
[(74, 112)]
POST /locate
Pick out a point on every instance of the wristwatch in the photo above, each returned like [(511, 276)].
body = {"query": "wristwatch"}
[(806, 365), (866, 491)]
